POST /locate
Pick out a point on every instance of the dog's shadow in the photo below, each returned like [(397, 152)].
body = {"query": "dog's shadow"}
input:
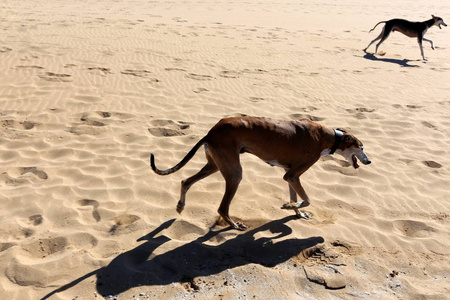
[(141, 267), (400, 62)]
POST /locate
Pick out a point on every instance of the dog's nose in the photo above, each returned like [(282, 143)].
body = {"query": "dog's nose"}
[(368, 162)]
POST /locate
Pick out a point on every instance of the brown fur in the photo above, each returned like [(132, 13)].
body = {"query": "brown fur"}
[(293, 145)]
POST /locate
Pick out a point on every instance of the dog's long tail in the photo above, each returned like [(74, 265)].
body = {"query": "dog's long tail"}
[(181, 163), (376, 26)]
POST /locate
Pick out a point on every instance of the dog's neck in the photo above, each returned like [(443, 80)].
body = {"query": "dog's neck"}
[(429, 23), (332, 141)]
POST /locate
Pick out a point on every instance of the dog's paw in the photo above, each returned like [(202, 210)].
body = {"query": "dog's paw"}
[(180, 207), (239, 226), (304, 215)]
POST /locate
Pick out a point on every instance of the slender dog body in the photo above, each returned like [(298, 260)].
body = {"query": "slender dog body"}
[(408, 28), (292, 145)]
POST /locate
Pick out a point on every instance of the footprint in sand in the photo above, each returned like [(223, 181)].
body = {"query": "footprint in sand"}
[(141, 74), (91, 124), (88, 118), (229, 74), (137, 73), (412, 228), (42, 248), (429, 125), (94, 204), (200, 90), (199, 77), (123, 220), (326, 264), (319, 253), (432, 164), (24, 175), (54, 77), (100, 71), (5, 49), (175, 69), (12, 124), (306, 108), (26, 223), (35, 171), (410, 106), (35, 220), (256, 99), (306, 116), (359, 112), (30, 67), (45, 247), (168, 128)]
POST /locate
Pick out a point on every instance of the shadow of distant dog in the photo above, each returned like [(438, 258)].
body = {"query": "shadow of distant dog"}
[(400, 62)]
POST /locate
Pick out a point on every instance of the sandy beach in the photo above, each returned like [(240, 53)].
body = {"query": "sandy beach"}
[(89, 88)]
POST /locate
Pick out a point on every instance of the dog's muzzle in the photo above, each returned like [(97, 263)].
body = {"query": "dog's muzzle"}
[(362, 157)]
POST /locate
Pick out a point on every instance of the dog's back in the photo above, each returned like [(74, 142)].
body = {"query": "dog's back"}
[(266, 138), (408, 28)]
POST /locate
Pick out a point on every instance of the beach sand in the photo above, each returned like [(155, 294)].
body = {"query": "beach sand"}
[(89, 88)]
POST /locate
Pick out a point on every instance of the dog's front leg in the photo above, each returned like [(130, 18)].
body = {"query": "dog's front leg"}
[(295, 187), (430, 41), (419, 40)]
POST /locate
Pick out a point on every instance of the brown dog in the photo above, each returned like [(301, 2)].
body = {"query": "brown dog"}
[(292, 145)]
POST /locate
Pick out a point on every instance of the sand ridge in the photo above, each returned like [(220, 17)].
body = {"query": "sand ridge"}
[(90, 88)]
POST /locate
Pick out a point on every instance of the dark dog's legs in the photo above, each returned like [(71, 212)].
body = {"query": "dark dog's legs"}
[(378, 37), (382, 37), (207, 170), (430, 41), (385, 34), (420, 38)]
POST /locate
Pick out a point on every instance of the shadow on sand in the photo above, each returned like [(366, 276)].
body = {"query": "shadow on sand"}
[(138, 267), (400, 62)]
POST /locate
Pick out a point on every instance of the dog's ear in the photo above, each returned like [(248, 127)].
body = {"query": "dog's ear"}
[(343, 130), (433, 16)]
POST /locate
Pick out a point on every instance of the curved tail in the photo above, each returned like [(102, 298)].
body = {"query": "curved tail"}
[(376, 26), (180, 164)]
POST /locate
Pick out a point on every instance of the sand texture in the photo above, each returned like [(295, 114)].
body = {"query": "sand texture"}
[(89, 88)]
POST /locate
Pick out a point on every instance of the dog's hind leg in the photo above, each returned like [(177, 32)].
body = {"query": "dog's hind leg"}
[(384, 35), (379, 37), (231, 170), (207, 170)]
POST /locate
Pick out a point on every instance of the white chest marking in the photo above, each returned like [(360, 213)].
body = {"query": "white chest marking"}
[(325, 152), (275, 163)]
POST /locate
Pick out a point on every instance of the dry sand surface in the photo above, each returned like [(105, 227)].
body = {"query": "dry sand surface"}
[(89, 88)]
